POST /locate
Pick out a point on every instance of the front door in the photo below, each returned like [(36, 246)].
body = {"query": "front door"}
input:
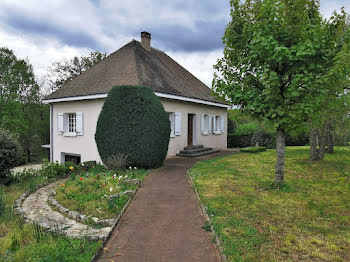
[(190, 130)]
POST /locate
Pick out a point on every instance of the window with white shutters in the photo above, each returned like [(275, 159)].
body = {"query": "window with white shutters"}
[(206, 124), (70, 124)]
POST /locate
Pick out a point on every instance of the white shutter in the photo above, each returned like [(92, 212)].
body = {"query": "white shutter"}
[(79, 123), (177, 124), (214, 124), (222, 125), (202, 124), (60, 129), (210, 124)]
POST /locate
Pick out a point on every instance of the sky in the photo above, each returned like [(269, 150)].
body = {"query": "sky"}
[(189, 31)]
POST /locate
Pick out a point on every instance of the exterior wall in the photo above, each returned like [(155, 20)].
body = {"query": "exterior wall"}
[(177, 143), (85, 145)]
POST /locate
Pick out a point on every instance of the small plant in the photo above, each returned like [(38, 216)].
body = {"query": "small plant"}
[(15, 244), (207, 226), (117, 162), (87, 165), (2, 204), (39, 233)]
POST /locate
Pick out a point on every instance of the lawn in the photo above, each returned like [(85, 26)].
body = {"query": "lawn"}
[(21, 241), (26, 242), (307, 219)]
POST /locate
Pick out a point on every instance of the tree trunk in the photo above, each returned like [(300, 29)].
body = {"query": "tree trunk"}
[(330, 143), (322, 146), (313, 145), (281, 147)]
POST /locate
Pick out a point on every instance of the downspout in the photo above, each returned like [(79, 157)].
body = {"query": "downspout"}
[(51, 132)]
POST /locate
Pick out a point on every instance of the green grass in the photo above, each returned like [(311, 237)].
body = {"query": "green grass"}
[(88, 193), (308, 218), (26, 242)]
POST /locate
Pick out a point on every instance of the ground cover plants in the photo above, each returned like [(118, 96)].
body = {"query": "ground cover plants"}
[(20, 241), (307, 218), (95, 192)]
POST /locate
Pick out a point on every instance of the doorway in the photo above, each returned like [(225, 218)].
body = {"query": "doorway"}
[(191, 129)]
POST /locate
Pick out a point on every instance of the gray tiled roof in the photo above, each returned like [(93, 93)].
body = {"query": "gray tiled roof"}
[(134, 65)]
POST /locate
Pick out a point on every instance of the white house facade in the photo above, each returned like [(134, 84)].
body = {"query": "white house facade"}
[(195, 117)]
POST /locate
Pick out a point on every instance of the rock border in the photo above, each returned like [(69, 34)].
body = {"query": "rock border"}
[(204, 211), (102, 234)]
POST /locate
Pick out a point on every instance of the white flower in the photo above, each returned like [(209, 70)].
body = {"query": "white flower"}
[(105, 195), (120, 177), (135, 167), (125, 176), (130, 167), (116, 186), (111, 189)]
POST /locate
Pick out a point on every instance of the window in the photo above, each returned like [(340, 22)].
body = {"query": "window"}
[(206, 124), (175, 123), (172, 124), (218, 125), (72, 123)]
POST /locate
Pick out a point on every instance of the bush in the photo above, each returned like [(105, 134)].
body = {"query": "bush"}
[(117, 162), (10, 154), (262, 138), (299, 140), (253, 149), (246, 129), (234, 140), (133, 123), (87, 165)]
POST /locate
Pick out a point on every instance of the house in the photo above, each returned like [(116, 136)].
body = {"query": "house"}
[(196, 117)]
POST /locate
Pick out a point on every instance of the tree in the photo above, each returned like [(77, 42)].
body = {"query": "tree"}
[(62, 72), (19, 100), (333, 104), (133, 125), (270, 64)]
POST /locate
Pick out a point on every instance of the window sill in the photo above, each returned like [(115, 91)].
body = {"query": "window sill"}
[(217, 132), (70, 134), (205, 133), (172, 135)]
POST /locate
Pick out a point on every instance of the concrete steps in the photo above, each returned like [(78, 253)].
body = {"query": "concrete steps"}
[(196, 151)]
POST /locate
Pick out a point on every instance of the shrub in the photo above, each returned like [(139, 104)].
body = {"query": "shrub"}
[(298, 140), (253, 149), (238, 140), (117, 162), (133, 123), (262, 138), (87, 165), (246, 129), (10, 154)]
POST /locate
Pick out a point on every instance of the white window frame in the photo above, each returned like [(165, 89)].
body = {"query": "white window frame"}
[(172, 124), (217, 125), (70, 124), (206, 126)]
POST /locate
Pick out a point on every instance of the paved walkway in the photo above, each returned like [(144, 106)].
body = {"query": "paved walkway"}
[(164, 221)]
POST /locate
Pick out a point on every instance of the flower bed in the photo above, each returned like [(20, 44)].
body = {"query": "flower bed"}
[(98, 192)]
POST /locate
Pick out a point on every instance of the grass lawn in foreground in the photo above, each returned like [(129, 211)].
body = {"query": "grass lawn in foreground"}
[(307, 219), (25, 242)]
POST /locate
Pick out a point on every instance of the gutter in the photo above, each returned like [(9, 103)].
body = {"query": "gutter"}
[(163, 95)]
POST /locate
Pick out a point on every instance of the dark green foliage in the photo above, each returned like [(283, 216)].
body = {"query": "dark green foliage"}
[(238, 140), (299, 140), (262, 138), (10, 154), (253, 149), (133, 123)]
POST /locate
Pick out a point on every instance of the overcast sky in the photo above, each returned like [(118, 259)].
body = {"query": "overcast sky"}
[(190, 31)]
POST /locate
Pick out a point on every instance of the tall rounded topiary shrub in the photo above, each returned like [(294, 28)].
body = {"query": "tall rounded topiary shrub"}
[(10, 155), (134, 124)]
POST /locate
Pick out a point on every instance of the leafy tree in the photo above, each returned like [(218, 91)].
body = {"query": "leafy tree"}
[(64, 71), (20, 107), (270, 67)]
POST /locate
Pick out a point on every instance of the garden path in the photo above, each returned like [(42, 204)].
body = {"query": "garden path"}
[(164, 221)]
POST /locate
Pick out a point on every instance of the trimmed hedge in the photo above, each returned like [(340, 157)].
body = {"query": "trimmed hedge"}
[(238, 140), (133, 123), (10, 154), (253, 150)]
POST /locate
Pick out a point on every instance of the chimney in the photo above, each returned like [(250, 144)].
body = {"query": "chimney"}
[(146, 40)]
